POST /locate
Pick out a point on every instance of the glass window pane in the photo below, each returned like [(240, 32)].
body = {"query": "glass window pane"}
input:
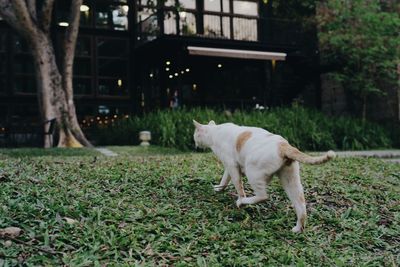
[(148, 2), (245, 29), (187, 23), (111, 16), (191, 4), (83, 46), (2, 63), (212, 5), (2, 41), (82, 66), (82, 86), (226, 27), (225, 6), (20, 45), (169, 2), (86, 14), (112, 68), (25, 110), (169, 23), (2, 85), (245, 8), (23, 64), (115, 87), (144, 13), (112, 48), (24, 84), (212, 25)]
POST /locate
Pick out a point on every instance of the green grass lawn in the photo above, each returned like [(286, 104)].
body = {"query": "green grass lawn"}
[(157, 207)]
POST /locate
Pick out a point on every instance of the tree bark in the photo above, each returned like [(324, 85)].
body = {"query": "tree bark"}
[(50, 91), (54, 88), (69, 45)]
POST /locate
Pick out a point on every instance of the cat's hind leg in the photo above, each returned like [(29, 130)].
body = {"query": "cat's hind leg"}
[(226, 178), (258, 182), (290, 179), (234, 173)]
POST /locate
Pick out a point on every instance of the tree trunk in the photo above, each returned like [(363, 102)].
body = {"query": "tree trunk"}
[(69, 45), (32, 20), (52, 98)]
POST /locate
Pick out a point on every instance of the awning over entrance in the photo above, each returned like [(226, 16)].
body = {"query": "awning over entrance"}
[(235, 53)]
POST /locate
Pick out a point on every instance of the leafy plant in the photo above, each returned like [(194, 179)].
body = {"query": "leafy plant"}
[(362, 39), (305, 128)]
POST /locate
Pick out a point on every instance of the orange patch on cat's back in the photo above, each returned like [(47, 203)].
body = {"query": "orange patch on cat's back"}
[(242, 139)]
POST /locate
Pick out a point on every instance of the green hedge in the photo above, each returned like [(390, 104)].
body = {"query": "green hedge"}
[(305, 128)]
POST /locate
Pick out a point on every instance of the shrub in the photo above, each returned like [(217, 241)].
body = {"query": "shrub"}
[(306, 129)]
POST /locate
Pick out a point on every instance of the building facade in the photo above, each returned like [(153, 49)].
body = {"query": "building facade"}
[(133, 56)]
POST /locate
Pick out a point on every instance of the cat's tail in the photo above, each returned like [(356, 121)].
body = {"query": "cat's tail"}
[(289, 152)]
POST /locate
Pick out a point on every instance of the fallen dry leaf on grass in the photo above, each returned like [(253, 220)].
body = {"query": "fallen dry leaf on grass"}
[(70, 221), (10, 232)]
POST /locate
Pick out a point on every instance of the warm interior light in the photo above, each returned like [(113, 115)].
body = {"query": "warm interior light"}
[(194, 87), (166, 69), (187, 70), (84, 8), (125, 8), (168, 62), (119, 82), (273, 63), (219, 65), (63, 24), (182, 14)]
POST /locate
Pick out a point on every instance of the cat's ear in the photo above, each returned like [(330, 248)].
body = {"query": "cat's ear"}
[(197, 125), (211, 122)]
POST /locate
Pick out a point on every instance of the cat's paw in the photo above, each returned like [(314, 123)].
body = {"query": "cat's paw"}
[(219, 188), (297, 229), (239, 203)]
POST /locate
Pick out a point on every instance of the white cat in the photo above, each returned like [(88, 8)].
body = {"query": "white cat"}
[(259, 155)]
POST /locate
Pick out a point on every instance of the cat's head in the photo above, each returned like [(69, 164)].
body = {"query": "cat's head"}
[(201, 134)]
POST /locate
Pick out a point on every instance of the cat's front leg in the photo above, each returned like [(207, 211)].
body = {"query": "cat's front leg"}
[(226, 178)]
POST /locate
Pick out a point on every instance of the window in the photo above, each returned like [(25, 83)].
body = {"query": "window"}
[(144, 13), (63, 13), (245, 8), (2, 42), (111, 16), (187, 23), (102, 14), (24, 72), (188, 4), (147, 2), (225, 6), (170, 23), (245, 29), (83, 71), (169, 3), (112, 66), (212, 5), (217, 26)]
